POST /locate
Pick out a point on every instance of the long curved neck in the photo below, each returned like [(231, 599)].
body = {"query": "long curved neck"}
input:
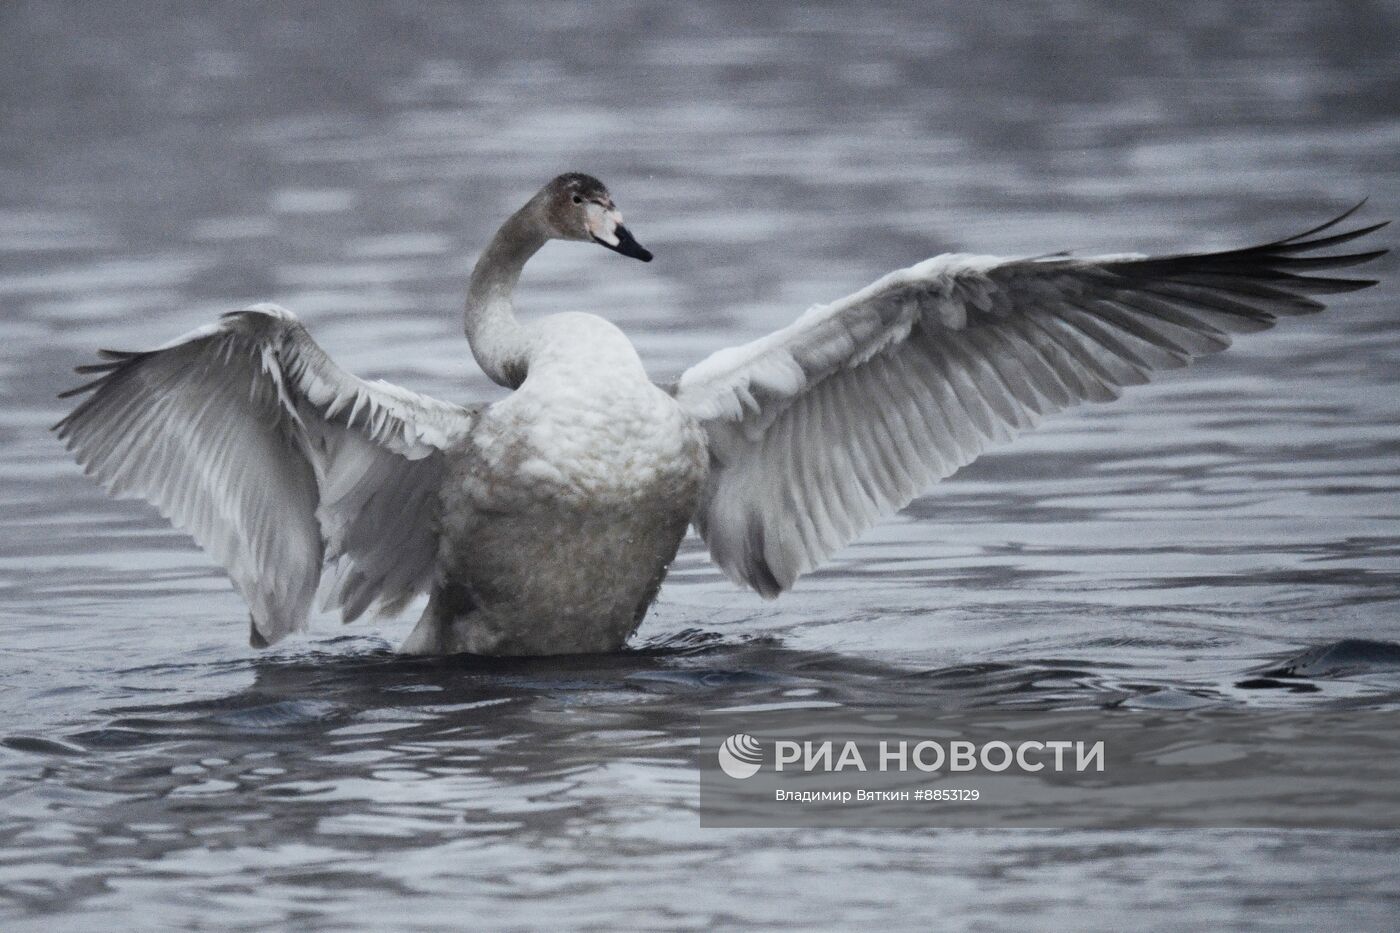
[(496, 337)]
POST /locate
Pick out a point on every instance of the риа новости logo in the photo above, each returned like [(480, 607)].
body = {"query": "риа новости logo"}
[(740, 756)]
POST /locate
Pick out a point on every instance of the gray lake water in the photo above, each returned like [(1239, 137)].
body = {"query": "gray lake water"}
[(164, 162)]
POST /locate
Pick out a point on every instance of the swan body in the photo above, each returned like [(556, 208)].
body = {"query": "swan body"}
[(564, 507), (544, 523)]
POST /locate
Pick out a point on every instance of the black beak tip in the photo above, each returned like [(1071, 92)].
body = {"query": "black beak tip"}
[(627, 245)]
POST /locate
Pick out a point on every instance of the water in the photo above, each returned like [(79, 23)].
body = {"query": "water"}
[(162, 163)]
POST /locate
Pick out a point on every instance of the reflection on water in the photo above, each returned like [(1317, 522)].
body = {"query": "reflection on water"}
[(1226, 538)]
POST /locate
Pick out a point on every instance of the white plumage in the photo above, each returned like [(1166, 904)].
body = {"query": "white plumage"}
[(245, 435), (545, 523)]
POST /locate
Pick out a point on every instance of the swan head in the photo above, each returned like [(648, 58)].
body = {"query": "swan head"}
[(578, 207)]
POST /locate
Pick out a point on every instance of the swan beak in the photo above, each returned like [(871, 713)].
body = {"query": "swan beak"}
[(626, 244), (605, 226)]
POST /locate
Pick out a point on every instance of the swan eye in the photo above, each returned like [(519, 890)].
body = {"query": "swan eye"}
[(578, 200)]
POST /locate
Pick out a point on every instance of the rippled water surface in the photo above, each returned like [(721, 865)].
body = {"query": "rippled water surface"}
[(165, 162)]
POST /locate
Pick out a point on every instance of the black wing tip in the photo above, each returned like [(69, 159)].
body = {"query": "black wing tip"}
[(1286, 258), (88, 368), (1326, 225), (113, 361), (1297, 244), (1342, 285), (85, 387), (1357, 259)]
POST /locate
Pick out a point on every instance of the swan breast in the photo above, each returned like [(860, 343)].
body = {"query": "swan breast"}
[(587, 428)]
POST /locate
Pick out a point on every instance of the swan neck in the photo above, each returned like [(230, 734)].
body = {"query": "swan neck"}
[(496, 337)]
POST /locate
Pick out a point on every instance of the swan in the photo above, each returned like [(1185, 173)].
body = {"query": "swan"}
[(544, 523)]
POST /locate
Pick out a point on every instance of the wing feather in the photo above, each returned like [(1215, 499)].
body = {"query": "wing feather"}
[(847, 414), (248, 437)]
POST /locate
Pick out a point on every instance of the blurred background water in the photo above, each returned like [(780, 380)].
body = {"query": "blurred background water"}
[(161, 162)]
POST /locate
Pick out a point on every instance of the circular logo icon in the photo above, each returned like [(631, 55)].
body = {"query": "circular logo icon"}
[(740, 756)]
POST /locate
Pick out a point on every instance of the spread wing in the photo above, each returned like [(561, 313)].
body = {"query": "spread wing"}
[(817, 430), (248, 437)]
